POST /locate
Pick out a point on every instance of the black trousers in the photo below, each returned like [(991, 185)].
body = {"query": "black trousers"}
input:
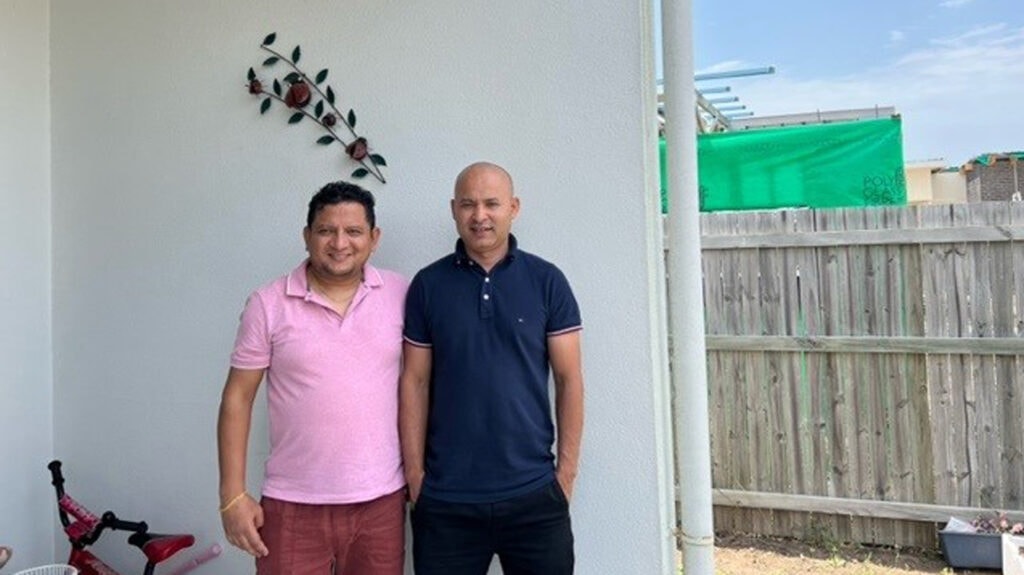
[(531, 535)]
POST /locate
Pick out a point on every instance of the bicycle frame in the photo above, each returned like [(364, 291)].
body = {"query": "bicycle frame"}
[(89, 564), (84, 528)]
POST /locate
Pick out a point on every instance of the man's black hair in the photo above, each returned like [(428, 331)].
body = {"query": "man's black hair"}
[(338, 192)]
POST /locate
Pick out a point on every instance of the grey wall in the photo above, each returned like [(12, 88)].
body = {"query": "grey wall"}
[(173, 198), (995, 183), (26, 383)]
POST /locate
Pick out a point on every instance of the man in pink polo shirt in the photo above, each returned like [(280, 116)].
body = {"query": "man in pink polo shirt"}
[(328, 338)]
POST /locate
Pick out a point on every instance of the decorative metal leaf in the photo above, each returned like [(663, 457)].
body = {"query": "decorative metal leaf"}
[(330, 95), (296, 54), (271, 61), (360, 173), (351, 119), (324, 140), (296, 118), (277, 87), (321, 75), (319, 108), (378, 159), (265, 106), (292, 77), (270, 39), (252, 74)]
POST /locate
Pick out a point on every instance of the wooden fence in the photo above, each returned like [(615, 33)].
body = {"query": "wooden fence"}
[(864, 355)]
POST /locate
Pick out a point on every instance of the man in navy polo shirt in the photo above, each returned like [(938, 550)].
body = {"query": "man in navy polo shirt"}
[(484, 327)]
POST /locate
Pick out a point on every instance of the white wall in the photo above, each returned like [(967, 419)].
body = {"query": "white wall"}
[(173, 198), (26, 383), (949, 187), (926, 185), (919, 183)]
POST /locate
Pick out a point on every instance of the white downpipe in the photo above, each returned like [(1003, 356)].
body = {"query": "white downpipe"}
[(686, 304)]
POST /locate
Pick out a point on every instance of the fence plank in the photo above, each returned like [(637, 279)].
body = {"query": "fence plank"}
[(857, 507), (855, 237), (872, 354), (870, 344)]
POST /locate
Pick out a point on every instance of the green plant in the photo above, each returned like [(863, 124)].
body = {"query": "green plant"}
[(305, 93), (835, 560), (819, 534)]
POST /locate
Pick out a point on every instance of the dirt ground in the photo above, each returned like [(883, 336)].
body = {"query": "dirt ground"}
[(749, 555)]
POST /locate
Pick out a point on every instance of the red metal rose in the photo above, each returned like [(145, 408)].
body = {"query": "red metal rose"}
[(357, 150), (329, 120), (298, 95), (255, 87)]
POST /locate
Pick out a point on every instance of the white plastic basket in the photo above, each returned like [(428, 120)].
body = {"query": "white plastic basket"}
[(56, 569), (1013, 562)]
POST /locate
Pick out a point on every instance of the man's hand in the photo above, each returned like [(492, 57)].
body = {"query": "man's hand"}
[(241, 524), (564, 355), (565, 481), (415, 481), (413, 404), (240, 513)]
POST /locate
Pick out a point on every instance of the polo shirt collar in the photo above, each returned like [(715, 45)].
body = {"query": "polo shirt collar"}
[(462, 257), (296, 285)]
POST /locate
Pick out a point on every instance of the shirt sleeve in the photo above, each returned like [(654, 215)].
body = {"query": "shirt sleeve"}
[(252, 342), (417, 325), (563, 311)]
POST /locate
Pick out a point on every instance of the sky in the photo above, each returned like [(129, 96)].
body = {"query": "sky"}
[(953, 69)]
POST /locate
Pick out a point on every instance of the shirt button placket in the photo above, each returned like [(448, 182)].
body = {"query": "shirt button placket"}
[(485, 298)]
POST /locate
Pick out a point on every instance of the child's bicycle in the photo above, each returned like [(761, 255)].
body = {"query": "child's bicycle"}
[(83, 528)]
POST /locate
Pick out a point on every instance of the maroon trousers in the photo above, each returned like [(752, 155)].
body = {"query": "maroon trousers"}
[(357, 538)]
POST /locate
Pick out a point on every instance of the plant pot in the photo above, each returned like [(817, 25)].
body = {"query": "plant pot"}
[(972, 550)]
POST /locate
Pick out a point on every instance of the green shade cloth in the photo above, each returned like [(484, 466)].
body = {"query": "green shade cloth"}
[(984, 159), (841, 164)]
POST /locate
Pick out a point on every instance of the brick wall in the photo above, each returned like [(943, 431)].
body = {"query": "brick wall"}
[(996, 182)]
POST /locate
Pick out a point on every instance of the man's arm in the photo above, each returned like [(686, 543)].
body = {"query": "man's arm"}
[(240, 513), (414, 400), (564, 353)]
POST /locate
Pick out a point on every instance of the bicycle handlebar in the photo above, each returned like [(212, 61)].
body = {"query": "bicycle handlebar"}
[(58, 477), (57, 480), (112, 522), (87, 527), (84, 528)]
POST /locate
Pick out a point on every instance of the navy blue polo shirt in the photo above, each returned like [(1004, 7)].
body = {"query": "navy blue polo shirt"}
[(489, 428)]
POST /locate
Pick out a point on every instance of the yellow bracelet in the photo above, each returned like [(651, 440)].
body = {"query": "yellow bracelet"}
[(233, 501)]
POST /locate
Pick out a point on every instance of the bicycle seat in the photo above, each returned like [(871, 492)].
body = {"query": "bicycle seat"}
[(159, 547)]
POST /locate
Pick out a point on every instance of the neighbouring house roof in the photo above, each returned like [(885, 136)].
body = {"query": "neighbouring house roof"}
[(991, 158), (933, 165)]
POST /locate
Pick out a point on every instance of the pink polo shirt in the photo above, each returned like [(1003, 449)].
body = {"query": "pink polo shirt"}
[(332, 387)]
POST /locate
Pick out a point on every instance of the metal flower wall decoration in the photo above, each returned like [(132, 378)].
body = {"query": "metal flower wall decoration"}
[(312, 98)]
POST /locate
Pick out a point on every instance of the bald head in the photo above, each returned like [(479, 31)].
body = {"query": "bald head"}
[(485, 170)]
